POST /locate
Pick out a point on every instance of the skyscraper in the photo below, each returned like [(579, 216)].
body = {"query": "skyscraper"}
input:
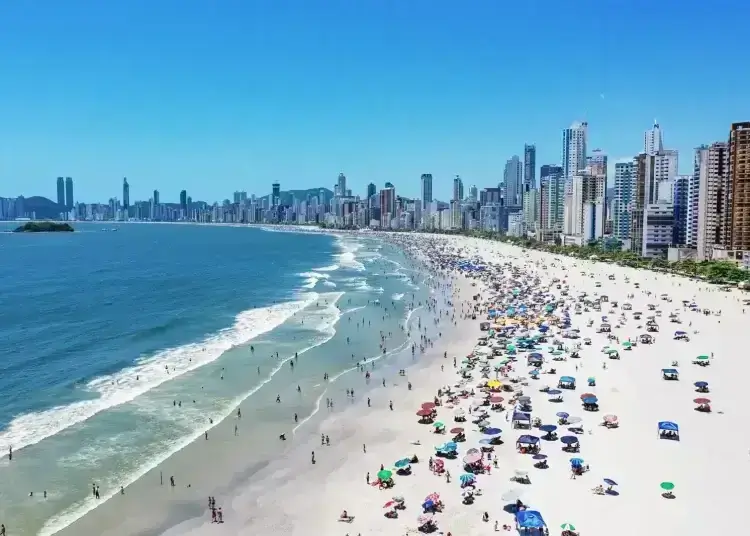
[(125, 193), (61, 192), (426, 190), (156, 197), (622, 206), (513, 178), (473, 193), (739, 185), (551, 189), (183, 203), (371, 190), (652, 140), (341, 183), (276, 192), (69, 193), (458, 189), (574, 140), (529, 167)]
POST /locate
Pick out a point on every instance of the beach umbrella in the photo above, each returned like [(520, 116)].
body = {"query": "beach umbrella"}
[(587, 395), (494, 384), (574, 420), (450, 446), (398, 498), (438, 425), (590, 400), (569, 440), (467, 478), (702, 401), (467, 493), (486, 441), (610, 418), (610, 482), (568, 526), (457, 430), (428, 405), (496, 399), (492, 431), (667, 486), (562, 414), (576, 461), (390, 504), (549, 428), (434, 497), (554, 392), (627, 344), (521, 473), (424, 519), (701, 384), (385, 474), (702, 358), (424, 412), (404, 462), (539, 457)]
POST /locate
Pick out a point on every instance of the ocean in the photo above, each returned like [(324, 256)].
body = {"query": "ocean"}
[(125, 342)]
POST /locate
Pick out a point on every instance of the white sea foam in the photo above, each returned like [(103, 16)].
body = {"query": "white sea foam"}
[(331, 315), (331, 268), (347, 258), (397, 297), (148, 373), (329, 283)]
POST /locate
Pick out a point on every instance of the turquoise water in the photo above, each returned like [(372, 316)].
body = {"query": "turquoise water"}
[(106, 333)]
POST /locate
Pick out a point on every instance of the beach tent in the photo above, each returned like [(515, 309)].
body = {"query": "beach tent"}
[(530, 520), (669, 430)]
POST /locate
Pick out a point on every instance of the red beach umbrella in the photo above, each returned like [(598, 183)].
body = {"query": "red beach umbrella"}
[(496, 399), (610, 418), (428, 405), (457, 430), (702, 401), (424, 413), (587, 395), (389, 504)]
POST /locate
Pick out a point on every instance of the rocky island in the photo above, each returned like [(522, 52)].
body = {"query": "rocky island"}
[(44, 227)]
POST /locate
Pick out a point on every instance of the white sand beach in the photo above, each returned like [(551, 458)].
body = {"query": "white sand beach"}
[(708, 465)]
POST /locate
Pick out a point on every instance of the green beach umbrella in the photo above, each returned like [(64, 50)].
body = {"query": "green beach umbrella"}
[(438, 425), (611, 351), (568, 526), (702, 358), (627, 344), (385, 474), (511, 347), (667, 486)]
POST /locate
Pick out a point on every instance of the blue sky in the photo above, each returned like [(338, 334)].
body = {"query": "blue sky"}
[(222, 95)]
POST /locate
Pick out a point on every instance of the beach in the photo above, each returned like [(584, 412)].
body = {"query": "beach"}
[(264, 485)]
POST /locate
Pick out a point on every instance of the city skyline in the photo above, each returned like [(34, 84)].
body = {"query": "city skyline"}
[(400, 105)]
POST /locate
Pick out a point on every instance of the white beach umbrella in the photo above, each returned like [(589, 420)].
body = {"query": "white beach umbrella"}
[(512, 495)]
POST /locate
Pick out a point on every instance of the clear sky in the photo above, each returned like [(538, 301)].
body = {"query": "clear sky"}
[(222, 95)]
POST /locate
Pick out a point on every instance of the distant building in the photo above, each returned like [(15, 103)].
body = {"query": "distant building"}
[(426, 180), (529, 167), (183, 204), (69, 201), (458, 189), (652, 140), (713, 171), (513, 179), (125, 193), (738, 222), (276, 193), (61, 191), (625, 175), (551, 196)]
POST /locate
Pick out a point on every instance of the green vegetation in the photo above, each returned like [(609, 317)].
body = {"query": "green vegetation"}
[(44, 227)]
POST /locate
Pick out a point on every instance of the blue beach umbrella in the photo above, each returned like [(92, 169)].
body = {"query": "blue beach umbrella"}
[(701, 384), (539, 457), (562, 414), (610, 482), (548, 428), (486, 441), (405, 462), (554, 392), (569, 440), (450, 446), (576, 462), (590, 400), (492, 431)]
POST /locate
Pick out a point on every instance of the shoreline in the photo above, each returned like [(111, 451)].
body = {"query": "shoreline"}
[(222, 469)]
